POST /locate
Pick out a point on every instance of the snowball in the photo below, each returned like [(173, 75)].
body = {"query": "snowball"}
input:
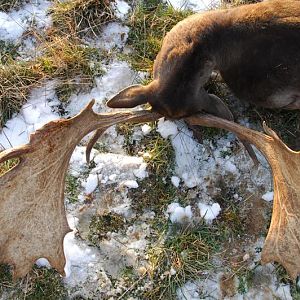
[(132, 184), (179, 214), (230, 167), (146, 129), (141, 172), (209, 212), (122, 8), (268, 196), (90, 183), (43, 262), (166, 128), (175, 180)]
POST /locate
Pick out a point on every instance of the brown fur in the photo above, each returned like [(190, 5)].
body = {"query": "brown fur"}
[(255, 47)]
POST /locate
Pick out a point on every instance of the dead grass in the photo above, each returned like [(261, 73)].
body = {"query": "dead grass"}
[(61, 55), (81, 17), (7, 5), (61, 58), (231, 3)]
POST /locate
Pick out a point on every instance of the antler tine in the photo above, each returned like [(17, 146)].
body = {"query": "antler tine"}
[(37, 185)]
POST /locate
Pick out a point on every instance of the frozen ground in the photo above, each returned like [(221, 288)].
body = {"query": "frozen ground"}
[(95, 272)]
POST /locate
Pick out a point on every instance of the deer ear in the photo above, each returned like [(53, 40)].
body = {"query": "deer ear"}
[(131, 96)]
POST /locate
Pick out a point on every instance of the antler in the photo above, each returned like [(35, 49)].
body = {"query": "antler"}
[(36, 185), (32, 215), (283, 240)]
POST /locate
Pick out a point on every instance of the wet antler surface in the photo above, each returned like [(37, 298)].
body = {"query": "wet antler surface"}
[(32, 217)]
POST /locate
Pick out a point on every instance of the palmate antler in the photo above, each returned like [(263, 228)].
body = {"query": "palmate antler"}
[(283, 240), (32, 214), (32, 217)]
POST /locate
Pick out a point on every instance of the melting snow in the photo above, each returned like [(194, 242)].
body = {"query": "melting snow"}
[(166, 128), (209, 212), (122, 8), (179, 214), (40, 109), (118, 75), (195, 5), (268, 196), (13, 24)]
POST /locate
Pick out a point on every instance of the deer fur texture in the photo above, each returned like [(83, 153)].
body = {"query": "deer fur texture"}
[(255, 47)]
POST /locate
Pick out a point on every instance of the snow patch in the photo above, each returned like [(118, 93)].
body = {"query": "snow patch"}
[(166, 128), (195, 5), (114, 35), (91, 183), (146, 129), (118, 75), (268, 196), (121, 9), (132, 184), (179, 214), (175, 181), (39, 110), (209, 212), (14, 23)]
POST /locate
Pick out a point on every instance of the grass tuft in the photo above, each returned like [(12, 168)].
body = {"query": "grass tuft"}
[(149, 23), (61, 58), (7, 5), (81, 17), (181, 257), (155, 191), (8, 165), (40, 283)]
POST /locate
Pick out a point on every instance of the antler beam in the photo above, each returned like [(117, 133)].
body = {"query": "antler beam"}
[(32, 215), (36, 186)]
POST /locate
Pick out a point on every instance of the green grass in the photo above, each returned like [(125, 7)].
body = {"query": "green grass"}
[(72, 188), (188, 253), (8, 165), (8, 52), (149, 23), (40, 283), (155, 191)]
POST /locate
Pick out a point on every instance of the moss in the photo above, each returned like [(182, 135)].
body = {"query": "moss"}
[(72, 188), (100, 225), (40, 283)]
